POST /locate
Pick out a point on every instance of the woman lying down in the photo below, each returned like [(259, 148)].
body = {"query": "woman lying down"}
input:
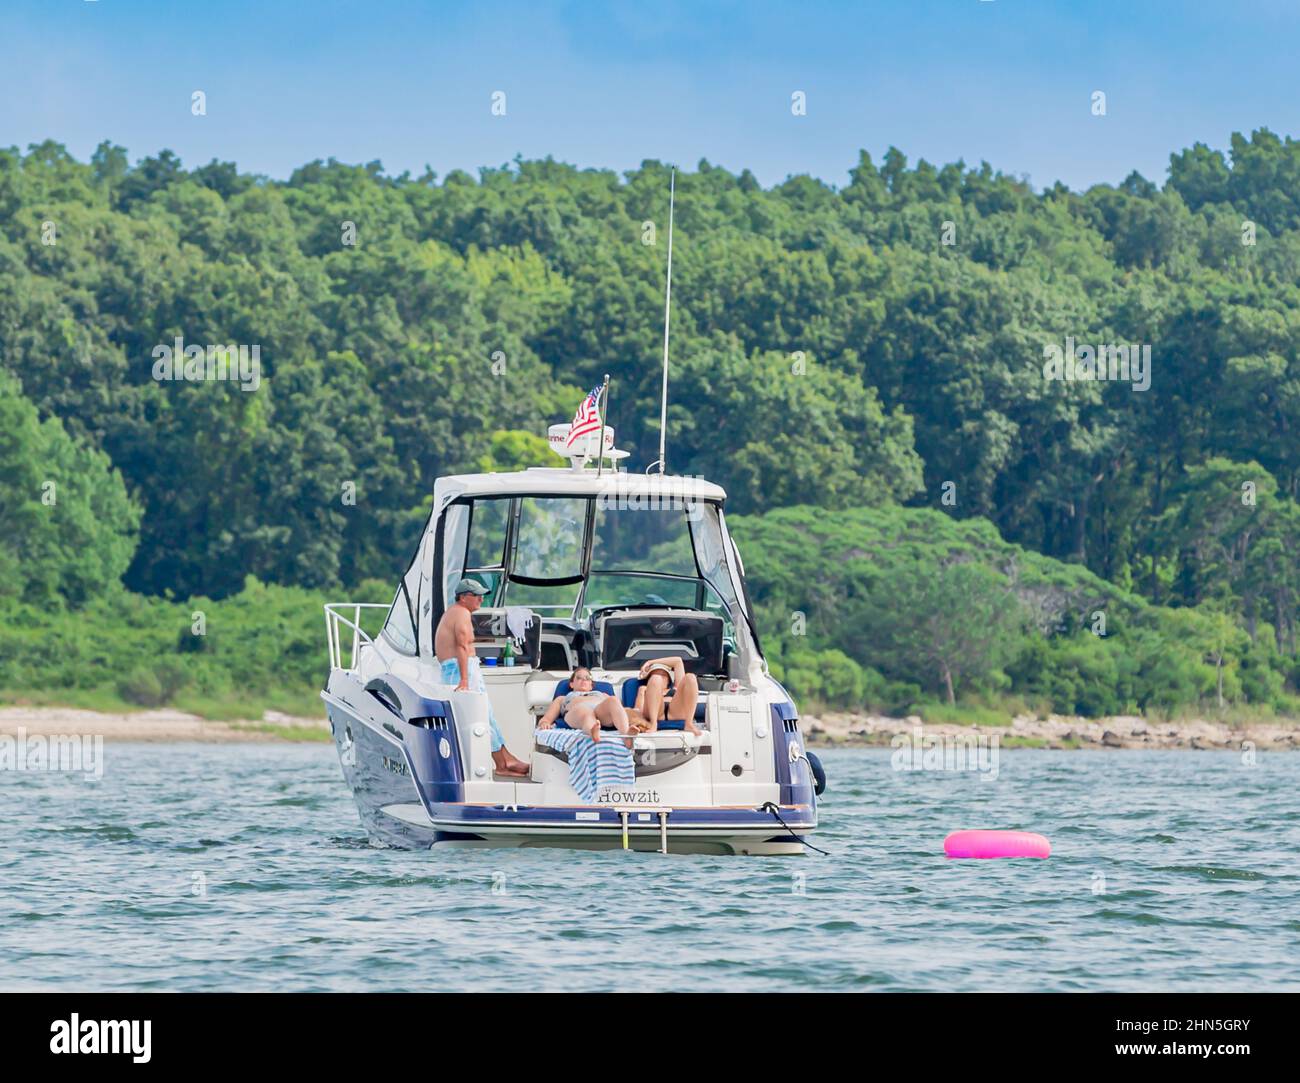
[(667, 692)]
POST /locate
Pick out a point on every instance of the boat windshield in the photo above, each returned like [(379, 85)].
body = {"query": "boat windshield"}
[(567, 556), (606, 589)]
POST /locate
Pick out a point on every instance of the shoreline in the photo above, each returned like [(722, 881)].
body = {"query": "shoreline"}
[(164, 724), (832, 729), (1120, 732)]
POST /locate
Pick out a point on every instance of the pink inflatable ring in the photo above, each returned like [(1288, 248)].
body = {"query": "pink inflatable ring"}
[(996, 844)]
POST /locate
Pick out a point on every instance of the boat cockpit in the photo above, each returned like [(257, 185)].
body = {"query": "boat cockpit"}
[(612, 579)]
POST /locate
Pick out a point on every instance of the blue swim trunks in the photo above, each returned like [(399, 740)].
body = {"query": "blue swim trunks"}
[(451, 675)]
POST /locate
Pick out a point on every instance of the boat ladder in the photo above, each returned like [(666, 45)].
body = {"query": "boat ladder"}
[(625, 813)]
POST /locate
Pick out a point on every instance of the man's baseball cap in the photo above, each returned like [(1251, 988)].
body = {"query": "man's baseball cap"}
[(469, 586)]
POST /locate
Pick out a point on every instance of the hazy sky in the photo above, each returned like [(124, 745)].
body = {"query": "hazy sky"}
[(610, 84)]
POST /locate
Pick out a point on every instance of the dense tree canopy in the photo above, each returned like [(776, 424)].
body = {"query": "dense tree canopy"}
[(875, 345), (69, 528)]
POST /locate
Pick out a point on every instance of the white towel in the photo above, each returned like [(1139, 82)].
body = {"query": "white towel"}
[(519, 618)]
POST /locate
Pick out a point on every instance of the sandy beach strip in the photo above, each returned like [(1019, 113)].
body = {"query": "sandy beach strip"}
[(829, 729), (158, 725)]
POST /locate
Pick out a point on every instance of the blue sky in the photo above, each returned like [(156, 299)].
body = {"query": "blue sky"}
[(611, 84)]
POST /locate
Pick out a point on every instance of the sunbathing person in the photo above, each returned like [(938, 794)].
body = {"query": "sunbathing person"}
[(667, 692), (586, 708)]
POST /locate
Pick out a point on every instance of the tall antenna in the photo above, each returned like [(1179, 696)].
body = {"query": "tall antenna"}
[(668, 306)]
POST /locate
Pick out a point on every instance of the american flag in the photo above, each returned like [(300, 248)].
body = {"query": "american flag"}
[(587, 419)]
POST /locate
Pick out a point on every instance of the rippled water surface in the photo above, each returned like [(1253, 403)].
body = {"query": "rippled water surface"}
[(244, 867)]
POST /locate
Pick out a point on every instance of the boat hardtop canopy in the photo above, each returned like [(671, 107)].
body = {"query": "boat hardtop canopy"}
[(558, 481)]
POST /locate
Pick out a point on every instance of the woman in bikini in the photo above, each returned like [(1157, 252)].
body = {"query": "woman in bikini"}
[(667, 692), (585, 708)]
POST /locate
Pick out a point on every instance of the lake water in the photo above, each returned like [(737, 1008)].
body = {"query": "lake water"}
[(205, 867)]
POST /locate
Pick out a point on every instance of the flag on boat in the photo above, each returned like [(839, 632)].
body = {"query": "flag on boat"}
[(587, 419)]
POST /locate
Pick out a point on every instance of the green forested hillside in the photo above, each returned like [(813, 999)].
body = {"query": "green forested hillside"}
[(854, 365), (893, 606)]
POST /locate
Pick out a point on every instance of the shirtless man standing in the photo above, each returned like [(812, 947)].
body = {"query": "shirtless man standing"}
[(453, 643)]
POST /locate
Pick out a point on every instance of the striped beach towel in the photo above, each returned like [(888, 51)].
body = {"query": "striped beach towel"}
[(592, 764)]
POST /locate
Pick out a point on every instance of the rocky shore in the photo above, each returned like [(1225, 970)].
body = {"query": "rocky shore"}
[(833, 728), (1057, 731)]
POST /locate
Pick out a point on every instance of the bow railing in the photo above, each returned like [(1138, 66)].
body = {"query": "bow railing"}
[(340, 628)]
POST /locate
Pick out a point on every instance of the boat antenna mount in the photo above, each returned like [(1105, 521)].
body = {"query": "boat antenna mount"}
[(668, 306)]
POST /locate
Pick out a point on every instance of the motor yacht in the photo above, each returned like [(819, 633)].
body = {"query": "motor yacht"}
[(583, 564)]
